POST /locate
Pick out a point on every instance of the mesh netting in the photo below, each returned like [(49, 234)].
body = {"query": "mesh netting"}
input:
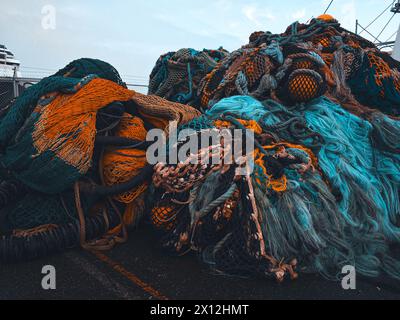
[(238, 252), (198, 124), (164, 216), (177, 75), (82, 67), (305, 85), (240, 73), (6, 93), (35, 209)]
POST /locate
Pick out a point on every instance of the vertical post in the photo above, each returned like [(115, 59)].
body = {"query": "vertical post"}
[(15, 83), (357, 26)]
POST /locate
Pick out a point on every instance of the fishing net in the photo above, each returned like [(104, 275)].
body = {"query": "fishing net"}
[(35, 209), (215, 211), (325, 187), (160, 112), (240, 73), (320, 189), (70, 144), (58, 137), (122, 165), (82, 67), (176, 75)]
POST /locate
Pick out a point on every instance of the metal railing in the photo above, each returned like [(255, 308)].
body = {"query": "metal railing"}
[(12, 87)]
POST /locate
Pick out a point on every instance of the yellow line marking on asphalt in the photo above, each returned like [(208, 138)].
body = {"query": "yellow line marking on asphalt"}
[(130, 276)]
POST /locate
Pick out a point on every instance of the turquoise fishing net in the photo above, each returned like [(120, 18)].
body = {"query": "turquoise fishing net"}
[(358, 210)]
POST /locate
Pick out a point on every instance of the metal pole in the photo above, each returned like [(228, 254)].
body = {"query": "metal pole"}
[(15, 83), (357, 26)]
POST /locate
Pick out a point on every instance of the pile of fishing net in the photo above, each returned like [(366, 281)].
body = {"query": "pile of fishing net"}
[(324, 105), (73, 160), (319, 190)]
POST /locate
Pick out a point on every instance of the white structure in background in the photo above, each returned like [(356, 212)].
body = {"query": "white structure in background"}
[(9, 66), (396, 49)]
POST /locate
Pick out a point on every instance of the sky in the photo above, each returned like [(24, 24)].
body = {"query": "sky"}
[(47, 34)]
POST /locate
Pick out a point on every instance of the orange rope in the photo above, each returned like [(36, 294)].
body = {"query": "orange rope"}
[(280, 185)]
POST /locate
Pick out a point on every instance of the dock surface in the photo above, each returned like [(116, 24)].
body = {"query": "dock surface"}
[(139, 270)]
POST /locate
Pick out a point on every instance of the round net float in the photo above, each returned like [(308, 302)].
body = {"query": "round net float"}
[(164, 217), (305, 85)]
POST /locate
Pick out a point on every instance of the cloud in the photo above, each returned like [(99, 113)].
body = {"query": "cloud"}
[(300, 14), (256, 15), (132, 34), (349, 14)]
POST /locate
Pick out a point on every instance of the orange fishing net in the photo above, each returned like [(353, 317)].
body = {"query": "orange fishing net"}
[(249, 124), (328, 58), (122, 165), (164, 217), (325, 39), (278, 185), (303, 64), (304, 87), (67, 126), (326, 18), (382, 69)]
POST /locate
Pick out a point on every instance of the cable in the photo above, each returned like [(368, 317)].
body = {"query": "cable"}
[(373, 21), (137, 85), (328, 7), (363, 29), (392, 36), (384, 28), (37, 68), (35, 72), (132, 76)]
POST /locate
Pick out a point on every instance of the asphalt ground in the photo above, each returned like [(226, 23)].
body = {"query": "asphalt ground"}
[(139, 270)]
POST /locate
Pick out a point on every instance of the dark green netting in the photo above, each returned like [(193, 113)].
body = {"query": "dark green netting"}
[(82, 67), (45, 175), (374, 90), (36, 209)]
